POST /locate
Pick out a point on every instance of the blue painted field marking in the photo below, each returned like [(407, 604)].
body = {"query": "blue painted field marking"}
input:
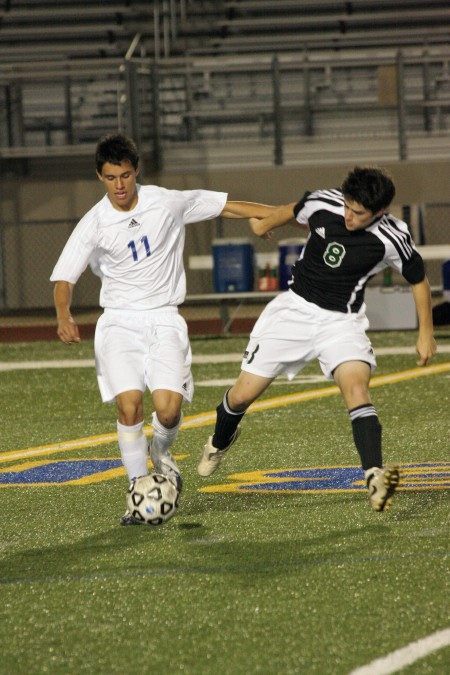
[(325, 480), (61, 472)]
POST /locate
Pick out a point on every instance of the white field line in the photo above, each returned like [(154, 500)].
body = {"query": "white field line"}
[(36, 365), (209, 416), (197, 359), (299, 379), (405, 656)]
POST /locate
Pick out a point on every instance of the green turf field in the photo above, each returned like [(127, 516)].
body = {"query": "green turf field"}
[(252, 575)]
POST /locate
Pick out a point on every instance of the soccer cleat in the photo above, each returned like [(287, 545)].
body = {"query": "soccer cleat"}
[(128, 519), (164, 463), (382, 483), (211, 456)]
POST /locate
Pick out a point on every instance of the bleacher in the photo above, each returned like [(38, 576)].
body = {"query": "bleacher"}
[(183, 74), (61, 29), (259, 26)]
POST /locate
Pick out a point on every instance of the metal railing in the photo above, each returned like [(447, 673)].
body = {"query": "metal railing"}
[(170, 105)]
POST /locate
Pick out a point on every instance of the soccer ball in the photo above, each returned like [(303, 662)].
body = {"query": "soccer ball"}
[(152, 499)]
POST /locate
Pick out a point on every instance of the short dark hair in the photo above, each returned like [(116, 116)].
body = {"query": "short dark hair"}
[(370, 186), (116, 148)]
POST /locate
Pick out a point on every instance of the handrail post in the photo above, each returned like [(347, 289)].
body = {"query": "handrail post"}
[(166, 28), (68, 111), (156, 30), (401, 107), (157, 145), (277, 112), (308, 119), (426, 79), (133, 120)]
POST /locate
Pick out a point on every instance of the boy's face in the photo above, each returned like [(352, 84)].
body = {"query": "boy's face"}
[(120, 183), (357, 217)]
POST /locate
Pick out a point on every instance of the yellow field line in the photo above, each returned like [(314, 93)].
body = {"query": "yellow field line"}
[(203, 419), (378, 381)]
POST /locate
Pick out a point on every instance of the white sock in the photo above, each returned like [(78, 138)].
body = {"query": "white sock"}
[(163, 438), (133, 449)]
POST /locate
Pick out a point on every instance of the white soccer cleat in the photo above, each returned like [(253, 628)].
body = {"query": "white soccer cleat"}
[(382, 483), (164, 463), (128, 519), (211, 456)]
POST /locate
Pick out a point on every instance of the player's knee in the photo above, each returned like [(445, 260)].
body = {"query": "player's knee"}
[(360, 391), (169, 416), (130, 415), (356, 394), (237, 400), (167, 406), (129, 411), (169, 421)]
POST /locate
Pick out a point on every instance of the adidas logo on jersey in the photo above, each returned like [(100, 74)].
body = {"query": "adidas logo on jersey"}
[(133, 223), (321, 231)]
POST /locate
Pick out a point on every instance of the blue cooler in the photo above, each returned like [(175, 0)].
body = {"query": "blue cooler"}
[(233, 265), (289, 250)]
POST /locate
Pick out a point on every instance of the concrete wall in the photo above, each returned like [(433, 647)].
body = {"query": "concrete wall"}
[(415, 181)]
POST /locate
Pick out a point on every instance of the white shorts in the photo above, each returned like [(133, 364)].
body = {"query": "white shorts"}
[(139, 349), (291, 332)]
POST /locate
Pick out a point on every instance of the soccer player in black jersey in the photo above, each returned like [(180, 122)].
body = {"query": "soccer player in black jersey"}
[(351, 238)]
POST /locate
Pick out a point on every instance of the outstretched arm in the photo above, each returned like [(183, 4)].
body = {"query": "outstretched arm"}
[(246, 210), (67, 328), (426, 345), (281, 215)]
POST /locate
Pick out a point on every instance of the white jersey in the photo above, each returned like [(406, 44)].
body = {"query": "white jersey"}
[(138, 254)]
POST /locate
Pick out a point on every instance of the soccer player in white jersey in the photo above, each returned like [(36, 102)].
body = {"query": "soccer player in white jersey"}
[(322, 315), (133, 239)]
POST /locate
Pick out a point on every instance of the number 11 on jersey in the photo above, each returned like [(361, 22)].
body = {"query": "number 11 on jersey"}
[(132, 247)]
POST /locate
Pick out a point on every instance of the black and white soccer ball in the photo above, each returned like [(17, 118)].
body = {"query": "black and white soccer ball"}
[(152, 499)]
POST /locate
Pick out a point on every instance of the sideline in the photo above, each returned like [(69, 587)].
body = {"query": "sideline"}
[(6, 366), (406, 655), (209, 417)]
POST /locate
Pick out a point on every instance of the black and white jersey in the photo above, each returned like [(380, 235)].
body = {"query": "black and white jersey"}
[(336, 264)]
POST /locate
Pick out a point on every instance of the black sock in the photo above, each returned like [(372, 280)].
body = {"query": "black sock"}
[(367, 435), (226, 424)]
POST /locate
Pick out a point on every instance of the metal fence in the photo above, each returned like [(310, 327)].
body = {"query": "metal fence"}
[(177, 108)]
